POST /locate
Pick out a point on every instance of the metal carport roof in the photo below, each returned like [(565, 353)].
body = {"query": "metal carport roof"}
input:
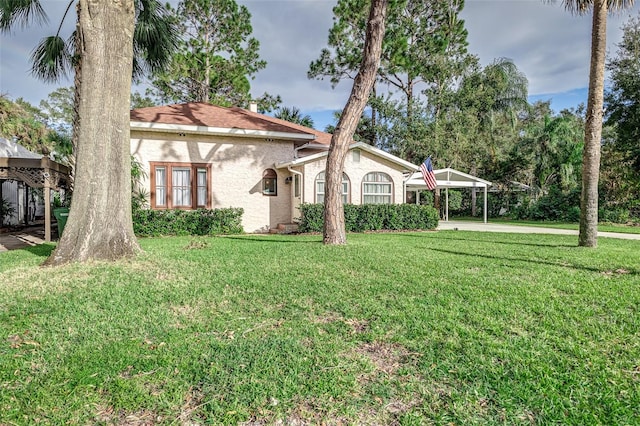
[(449, 178)]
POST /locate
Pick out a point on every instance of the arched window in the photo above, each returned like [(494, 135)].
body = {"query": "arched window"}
[(320, 188), (377, 188), (269, 182)]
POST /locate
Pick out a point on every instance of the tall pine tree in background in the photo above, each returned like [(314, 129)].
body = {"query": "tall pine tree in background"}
[(424, 51), (216, 59)]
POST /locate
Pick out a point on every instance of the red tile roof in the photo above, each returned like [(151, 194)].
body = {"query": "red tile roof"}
[(204, 114)]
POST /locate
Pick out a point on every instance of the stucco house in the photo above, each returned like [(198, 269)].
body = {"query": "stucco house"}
[(199, 155)]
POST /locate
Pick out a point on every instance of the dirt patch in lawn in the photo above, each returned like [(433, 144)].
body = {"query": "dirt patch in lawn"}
[(385, 357)]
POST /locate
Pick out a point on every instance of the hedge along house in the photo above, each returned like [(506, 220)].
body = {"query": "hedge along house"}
[(199, 155)]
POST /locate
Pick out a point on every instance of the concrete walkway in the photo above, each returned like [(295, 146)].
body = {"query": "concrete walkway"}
[(21, 239), (498, 227)]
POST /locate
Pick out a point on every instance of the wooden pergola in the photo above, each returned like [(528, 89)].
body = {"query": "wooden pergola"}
[(37, 171)]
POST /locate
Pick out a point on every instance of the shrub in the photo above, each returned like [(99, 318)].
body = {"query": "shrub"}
[(372, 217), (7, 211), (312, 217), (500, 203), (153, 223), (556, 205), (427, 198), (455, 200), (614, 215)]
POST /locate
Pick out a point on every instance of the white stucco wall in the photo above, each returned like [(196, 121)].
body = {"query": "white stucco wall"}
[(355, 169), (237, 165)]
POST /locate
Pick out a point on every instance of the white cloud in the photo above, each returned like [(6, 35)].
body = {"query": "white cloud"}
[(550, 45)]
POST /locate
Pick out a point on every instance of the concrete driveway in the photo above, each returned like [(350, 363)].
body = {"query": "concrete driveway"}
[(498, 227)]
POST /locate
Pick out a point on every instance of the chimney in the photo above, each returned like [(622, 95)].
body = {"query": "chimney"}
[(253, 106)]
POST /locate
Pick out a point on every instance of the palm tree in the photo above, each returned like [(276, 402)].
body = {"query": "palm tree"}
[(588, 235), (154, 40), (506, 88), (498, 90), (293, 115), (554, 146), (100, 224)]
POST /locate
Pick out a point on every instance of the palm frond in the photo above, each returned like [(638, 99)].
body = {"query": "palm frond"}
[(578, 7), (616, 5), (22, 11), (51, 59), (581, 7), (513, 83), (70, 45), (155, 38)]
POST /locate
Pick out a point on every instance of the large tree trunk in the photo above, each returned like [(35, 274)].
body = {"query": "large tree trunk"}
[(99, 225), (588, 236), (334, 227)]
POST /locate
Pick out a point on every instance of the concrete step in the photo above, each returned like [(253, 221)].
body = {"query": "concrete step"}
[(285, 228)]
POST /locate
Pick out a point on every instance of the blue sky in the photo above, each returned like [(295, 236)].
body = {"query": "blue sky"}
[(547, 43)]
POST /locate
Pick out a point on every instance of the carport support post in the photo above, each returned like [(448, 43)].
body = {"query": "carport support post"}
[(47, 207), (485, 204), (446, 205), (26, 204)]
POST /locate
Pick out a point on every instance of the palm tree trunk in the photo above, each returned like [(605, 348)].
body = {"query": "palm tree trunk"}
[(99, 225), (77, 80), (588, 236), (334, 226)]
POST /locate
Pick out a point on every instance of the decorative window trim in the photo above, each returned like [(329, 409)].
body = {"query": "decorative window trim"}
[(375, 176), (346, 185), (194, 188)]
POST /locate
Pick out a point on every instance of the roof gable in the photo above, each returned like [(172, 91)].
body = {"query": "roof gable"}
[(448, 178), (357, 145)]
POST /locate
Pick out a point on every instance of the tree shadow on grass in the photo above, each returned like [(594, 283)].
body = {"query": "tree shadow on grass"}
[(271, 239), (492, 241), (41, 250), (529, 260)]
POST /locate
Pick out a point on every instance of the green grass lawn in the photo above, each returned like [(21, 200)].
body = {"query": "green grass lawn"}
[(443, 327)]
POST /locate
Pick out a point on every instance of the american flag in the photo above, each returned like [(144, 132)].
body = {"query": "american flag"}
[(427, 174)]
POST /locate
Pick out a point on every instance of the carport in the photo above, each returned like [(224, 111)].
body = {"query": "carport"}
[(445, 179), (36, 170)]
